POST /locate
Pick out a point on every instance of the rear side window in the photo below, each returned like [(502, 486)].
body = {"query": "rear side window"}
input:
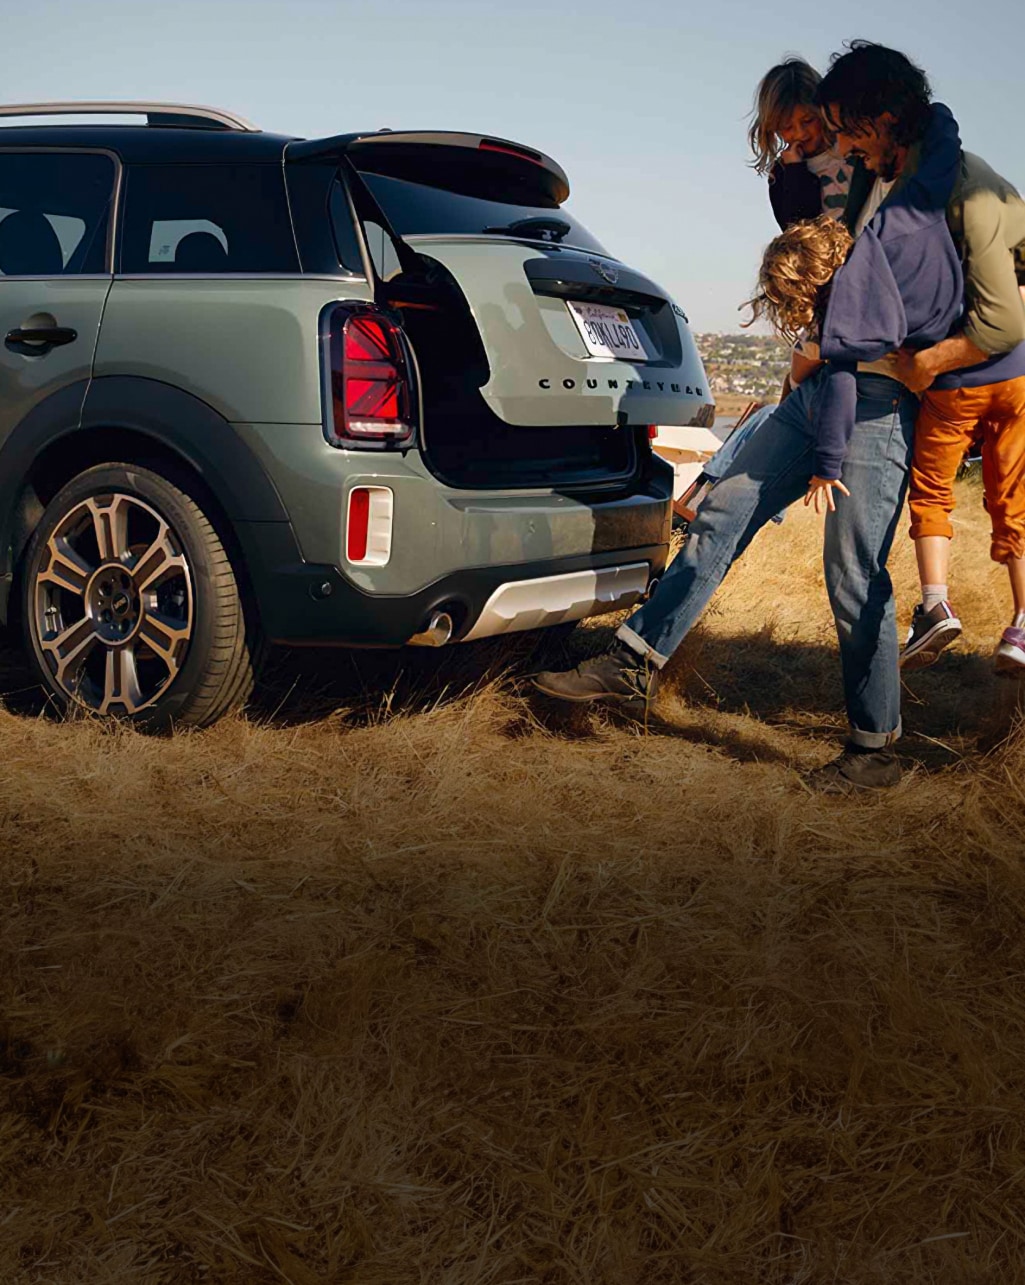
[(54, 213), (206, 219), (413, 208), (346, 244)]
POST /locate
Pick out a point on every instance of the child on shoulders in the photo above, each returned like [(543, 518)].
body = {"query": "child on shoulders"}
[(789, 143)]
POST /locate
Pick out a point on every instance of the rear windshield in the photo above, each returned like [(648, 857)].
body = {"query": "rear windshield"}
[(413, 208)]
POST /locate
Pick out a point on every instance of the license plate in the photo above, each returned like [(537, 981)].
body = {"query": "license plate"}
[(606, 332)]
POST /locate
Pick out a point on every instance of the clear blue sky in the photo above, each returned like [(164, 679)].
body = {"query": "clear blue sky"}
[(643, 102)]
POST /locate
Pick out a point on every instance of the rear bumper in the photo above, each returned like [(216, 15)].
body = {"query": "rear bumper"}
[(447, 550), (304, 604), (442, 531), (556, 600)]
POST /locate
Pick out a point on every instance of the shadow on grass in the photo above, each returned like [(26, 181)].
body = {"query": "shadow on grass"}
[(955, 709), (300, 685)]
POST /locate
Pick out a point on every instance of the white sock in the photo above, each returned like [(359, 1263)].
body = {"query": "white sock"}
[(1019, 621), (933, 595)]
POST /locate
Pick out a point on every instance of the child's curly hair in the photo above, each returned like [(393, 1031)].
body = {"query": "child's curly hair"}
[(796, 270)]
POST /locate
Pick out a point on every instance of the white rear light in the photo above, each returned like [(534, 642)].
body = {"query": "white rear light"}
[(368, 526)]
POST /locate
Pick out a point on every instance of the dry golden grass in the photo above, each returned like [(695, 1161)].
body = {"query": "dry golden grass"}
[(442, 986)]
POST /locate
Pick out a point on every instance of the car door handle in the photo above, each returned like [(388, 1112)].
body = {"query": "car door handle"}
[(39, 340)]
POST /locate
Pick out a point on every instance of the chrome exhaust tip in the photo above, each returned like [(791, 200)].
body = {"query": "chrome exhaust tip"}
[(439, 631)]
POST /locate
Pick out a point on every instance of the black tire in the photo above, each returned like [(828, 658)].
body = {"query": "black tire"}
[(131, 606)]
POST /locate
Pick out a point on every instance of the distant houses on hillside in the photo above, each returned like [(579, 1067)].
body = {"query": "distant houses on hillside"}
[(750, 365)]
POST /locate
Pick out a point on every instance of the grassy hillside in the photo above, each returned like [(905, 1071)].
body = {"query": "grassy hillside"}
[(731, 404), (404, 977)]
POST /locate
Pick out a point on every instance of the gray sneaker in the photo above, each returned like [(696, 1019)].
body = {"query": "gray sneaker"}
[(930, 632), (618, 676), (857, 769)]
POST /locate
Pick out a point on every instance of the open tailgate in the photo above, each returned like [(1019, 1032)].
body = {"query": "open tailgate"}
[(571, 336)]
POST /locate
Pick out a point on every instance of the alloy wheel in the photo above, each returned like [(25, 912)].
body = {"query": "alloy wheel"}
[(113, 604)]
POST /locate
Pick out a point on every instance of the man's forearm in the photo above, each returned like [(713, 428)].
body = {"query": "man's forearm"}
[(949, 354), (919, 370)]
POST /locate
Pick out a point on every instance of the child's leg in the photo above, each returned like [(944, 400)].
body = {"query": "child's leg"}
[(1016, 567), (1003, 469), (944, 430), (933, 555), (946, 424)]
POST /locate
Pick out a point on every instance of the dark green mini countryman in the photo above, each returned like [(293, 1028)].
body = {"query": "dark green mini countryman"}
[(371, 390)]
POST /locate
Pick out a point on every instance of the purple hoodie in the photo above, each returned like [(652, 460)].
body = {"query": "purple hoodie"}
[(901, 285)]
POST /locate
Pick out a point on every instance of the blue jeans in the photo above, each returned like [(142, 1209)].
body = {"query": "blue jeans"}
[(720, 462), (718, 466), (771, 470)]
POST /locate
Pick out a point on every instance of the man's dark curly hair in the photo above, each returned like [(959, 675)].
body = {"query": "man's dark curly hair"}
[(870, 79)]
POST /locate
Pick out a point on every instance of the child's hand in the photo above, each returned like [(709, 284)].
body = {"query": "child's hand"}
[(791, 154), (821, 490)]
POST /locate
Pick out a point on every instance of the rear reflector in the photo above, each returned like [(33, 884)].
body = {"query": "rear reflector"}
[(368, 526)]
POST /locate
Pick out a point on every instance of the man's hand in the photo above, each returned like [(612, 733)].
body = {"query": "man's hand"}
[(919, 370), (914, 370), (820, 489)]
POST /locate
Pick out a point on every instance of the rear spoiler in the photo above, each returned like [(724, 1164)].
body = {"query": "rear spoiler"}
[(468, 164)]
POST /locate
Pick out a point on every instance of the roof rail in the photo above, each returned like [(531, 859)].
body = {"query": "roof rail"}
[(182, 114)]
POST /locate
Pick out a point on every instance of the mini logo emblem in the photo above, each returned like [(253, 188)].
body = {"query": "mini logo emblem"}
[(605, 270)]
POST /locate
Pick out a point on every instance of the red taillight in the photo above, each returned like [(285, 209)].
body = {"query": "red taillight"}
[(371, 394), (652, 432)]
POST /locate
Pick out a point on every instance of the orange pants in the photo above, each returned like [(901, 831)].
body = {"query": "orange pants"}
[(948, 422)]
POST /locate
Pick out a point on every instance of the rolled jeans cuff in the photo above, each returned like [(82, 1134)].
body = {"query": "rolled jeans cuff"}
[(874, 740), (636, 643)]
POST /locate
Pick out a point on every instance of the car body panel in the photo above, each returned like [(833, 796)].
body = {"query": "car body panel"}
[(247, 346), (194, 430), (71, 302), (50, 419)]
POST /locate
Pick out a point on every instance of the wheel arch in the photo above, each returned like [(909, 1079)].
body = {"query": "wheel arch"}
[(134, 421)]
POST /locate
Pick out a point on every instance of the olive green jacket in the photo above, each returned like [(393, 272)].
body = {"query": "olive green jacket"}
[(987, 221), (986, 216)]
